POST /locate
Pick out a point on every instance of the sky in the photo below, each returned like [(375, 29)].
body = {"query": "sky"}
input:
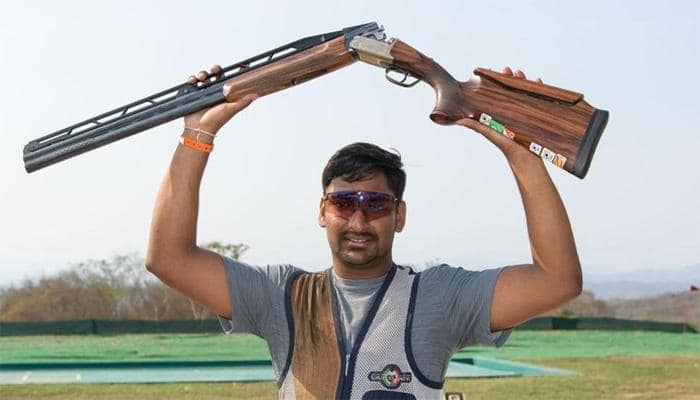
[(62, 62)]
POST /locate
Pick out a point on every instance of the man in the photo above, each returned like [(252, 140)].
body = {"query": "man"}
[(365, 328)]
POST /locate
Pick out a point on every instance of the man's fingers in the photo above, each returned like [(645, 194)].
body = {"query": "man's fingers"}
[(202, 77), (217, 71), (517, 74)]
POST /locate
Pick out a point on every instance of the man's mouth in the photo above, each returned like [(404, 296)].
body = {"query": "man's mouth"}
[(358, 240)]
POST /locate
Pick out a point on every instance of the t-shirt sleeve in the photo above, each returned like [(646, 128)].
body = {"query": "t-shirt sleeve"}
[(466, 298), (257, 297)]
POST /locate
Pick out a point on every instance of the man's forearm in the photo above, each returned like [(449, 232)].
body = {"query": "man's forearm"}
[(551, 239), (174, 226)]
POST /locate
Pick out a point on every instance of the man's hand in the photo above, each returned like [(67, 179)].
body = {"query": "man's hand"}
[(507, 146), (213, 118)]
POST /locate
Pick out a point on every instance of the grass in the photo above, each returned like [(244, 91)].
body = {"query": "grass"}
[(611, 365), (600, 378)]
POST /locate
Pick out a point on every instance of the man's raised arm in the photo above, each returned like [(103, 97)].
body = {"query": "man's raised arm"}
[(554, 277), (173, 255)]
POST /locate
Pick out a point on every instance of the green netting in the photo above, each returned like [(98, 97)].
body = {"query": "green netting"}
[(108, 327), (627, 325), (81, 327), (614, 324), (113, 327)]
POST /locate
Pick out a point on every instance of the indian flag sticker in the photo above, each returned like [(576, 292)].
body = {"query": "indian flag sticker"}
[(485, 119), (559, 161), (547, 154), (496, 126), (509, 134), (535, 148)]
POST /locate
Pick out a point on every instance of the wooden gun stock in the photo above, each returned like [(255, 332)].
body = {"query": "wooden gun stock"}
[(298, 68), (554, 123)]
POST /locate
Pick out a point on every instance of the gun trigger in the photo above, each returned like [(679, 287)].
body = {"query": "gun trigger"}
[(401, 81)]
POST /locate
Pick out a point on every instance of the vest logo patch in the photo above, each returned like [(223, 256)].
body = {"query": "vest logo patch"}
[(391, 376)]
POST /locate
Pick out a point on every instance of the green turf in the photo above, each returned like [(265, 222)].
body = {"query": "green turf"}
[(523, 345), (139, 347), (533, 345), (600, 378)]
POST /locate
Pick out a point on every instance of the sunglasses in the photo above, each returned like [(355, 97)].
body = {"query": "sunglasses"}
[(373, 204)]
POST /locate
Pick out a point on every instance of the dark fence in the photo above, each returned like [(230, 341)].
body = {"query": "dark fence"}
[(112, 327), (612, 324), (108, 327)]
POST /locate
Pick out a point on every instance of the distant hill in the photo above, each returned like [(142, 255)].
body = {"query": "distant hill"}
[(671, 307), (643, 283)]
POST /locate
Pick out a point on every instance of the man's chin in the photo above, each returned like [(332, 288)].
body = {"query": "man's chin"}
[(360, 261)]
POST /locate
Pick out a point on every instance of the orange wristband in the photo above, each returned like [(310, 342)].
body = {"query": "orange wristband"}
[(194, 144)]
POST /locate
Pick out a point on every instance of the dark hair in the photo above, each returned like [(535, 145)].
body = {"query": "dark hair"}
[(358, 161)]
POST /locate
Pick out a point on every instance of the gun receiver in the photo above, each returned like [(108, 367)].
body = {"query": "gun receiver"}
[(553, 123), (266, 73)]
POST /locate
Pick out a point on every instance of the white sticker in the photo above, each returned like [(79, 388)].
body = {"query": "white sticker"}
[(508, 133), (484, 118), (547, 154), (535, 148)]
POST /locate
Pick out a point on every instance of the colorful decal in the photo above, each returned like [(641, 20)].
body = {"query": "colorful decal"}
[(547, 154), (487, 120), (496, 126), (391, 376), (535, 148), (559, 161)]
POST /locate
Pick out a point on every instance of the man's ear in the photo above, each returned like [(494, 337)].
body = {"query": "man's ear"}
[(400, 216), (322, 214)]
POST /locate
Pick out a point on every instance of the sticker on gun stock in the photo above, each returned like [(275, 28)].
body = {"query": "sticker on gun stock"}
[(487, 120), (496, 126), (547, 154), (559, 161), (535, 148)]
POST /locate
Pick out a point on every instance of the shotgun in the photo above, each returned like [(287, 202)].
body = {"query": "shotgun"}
[(554, 123)]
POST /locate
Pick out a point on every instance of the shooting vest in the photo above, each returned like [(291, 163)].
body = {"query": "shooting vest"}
[(379, 366)]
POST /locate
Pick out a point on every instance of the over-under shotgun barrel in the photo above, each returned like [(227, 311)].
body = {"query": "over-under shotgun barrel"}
[(277, 69)]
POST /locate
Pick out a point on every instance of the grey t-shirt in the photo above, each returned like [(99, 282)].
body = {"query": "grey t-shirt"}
[(452, 310)]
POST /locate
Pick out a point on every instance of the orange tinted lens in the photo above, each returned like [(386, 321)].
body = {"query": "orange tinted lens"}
[(373, 204)]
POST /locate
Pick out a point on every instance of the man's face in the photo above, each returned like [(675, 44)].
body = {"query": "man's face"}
[(357, 242)]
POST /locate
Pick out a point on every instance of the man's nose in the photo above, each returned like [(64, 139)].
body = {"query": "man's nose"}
[(358, 219)]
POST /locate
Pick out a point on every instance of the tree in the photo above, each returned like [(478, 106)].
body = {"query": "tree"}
[(116, 288)]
